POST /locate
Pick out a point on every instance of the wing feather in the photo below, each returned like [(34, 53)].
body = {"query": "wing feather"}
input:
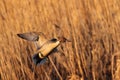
[(37, 37)]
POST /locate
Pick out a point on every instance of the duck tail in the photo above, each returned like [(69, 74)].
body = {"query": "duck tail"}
[(36, 59)]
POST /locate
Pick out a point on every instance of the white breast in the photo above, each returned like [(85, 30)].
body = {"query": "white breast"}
[(48, 47)]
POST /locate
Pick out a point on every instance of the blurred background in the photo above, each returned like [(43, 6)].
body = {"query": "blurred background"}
[(93, 26)]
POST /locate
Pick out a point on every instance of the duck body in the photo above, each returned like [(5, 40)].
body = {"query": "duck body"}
[(45, 50), (48, 47), (44, 46)]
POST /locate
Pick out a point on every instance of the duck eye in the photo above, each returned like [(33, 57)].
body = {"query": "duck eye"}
[(54, 40)]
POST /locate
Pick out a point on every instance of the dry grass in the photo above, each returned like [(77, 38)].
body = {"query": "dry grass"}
[(92, 25)]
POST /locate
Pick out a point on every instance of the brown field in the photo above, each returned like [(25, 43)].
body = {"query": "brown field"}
[(93, 26)]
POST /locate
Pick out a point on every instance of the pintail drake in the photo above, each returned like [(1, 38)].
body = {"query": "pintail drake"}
[(44, 46)]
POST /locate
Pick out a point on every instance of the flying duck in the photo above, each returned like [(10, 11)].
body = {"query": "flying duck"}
[(44, 47)]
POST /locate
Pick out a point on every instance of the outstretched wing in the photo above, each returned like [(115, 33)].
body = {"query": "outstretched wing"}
[(31, 36), (37, 37)]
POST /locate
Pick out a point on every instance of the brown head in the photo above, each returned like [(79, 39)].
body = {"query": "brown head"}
[(63, 39)]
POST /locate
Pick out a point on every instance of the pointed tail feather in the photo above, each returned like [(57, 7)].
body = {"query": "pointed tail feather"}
[(37, 60)]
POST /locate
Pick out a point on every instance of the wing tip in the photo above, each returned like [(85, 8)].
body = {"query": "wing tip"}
[(22, 36), (19, 35)]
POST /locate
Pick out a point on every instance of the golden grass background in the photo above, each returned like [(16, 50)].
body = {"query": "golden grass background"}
[(92, 25)]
